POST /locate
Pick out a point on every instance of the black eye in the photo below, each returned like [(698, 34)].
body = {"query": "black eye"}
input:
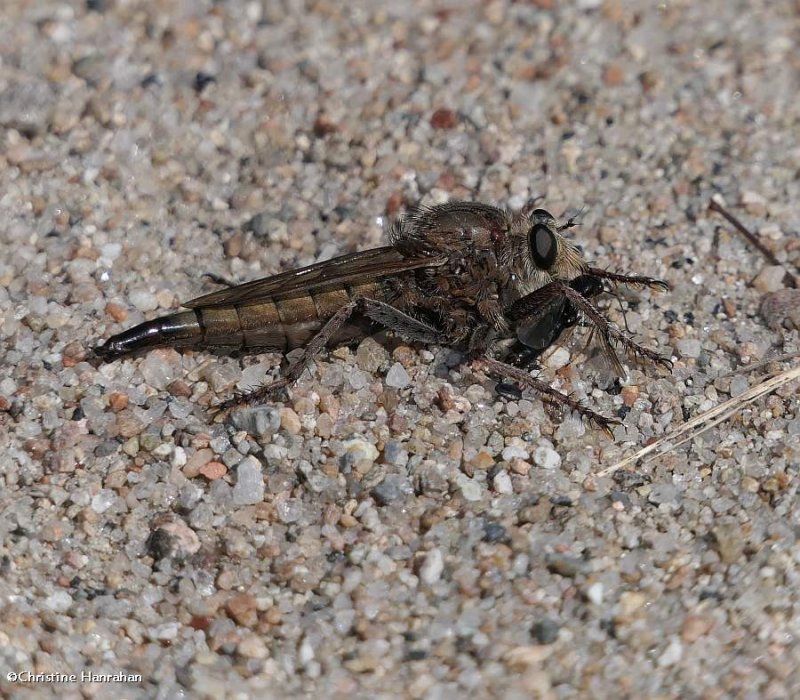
[(542, 242), (541, 214)]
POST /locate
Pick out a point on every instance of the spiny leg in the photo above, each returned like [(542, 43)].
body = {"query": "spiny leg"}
[(385, 314), (481, 340), (610, 332), (531, 205), (407, 327), (317, 343), (572, 222), (633, 280), (552, 396)]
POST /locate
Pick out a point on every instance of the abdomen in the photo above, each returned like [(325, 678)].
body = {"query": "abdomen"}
[(279, 326)]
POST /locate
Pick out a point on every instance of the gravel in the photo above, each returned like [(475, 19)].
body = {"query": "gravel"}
[(394, 527)]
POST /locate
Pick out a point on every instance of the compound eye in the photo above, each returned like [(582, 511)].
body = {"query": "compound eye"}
[(542, 242), (539, 214)]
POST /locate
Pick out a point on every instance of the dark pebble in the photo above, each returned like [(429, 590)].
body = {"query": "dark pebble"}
[(203, 80), (391, 489), (494, 532), (621, 497), (106, 448), (159, 544), (261, 421), (545, 631), (628, 480), (664, 493), (566, 565), (562, 501)]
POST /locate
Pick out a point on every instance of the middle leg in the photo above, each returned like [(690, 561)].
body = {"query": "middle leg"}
[(550, 395)]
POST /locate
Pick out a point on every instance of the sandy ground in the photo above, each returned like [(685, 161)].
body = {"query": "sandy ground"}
[(396, 528)]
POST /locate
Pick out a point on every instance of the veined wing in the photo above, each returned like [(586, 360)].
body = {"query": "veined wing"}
[(353, 268)]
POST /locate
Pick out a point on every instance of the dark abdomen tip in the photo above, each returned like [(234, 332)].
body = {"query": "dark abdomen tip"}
[(174, 330), (108, 351)]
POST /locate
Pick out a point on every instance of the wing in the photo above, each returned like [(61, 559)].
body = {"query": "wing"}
[(352, 268)]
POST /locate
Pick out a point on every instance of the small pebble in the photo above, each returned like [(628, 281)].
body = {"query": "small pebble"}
[(444, 119), (739, 385), (360, 452), (594, 593), (393, 488), (370, 355), (494, 532), (502, 483), (143, 300), (482, 460), (290, 421), (118, 312), (103, 500), (695, 626), (357, 379), (672, 654), (253, 647), (689, 347), (27, 106), (242, 607), (557, 358), (260, 421), (129, 423), (249, 486), (196, 461), (397, 376), (174, 539), (213, 470), (514, 452), (770, 279), (566, 565), (664, 494), (432, 567), (545, 456), (470, 489), (729, 541), (289, 510)]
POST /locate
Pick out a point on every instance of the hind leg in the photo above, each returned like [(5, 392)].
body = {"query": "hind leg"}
[(405, 326)]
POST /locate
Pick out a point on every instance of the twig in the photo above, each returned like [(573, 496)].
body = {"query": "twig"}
[(788, 279), (753, 366), (712, 417)]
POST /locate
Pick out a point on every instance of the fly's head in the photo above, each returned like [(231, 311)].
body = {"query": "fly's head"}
[(539, 252)]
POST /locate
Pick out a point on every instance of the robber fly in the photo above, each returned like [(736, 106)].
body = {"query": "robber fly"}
[(466, 275)]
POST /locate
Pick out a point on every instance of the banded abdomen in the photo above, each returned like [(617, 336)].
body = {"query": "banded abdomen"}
[(277, 325)]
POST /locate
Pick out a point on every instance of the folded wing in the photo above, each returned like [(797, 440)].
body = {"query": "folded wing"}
[(350, 269)]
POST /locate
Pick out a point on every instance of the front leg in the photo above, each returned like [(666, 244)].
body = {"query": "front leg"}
[(631, 280), (491, 311), (529, 306)]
